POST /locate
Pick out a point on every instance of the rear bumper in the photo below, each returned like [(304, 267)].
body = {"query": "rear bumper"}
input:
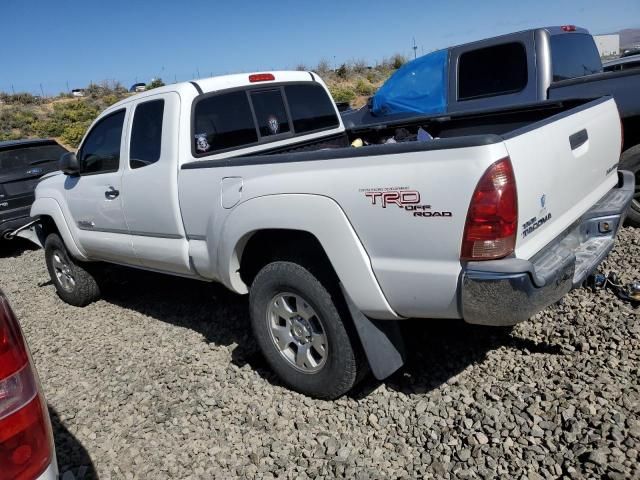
[(505, 292)]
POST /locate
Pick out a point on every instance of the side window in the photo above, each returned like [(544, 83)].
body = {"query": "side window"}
[(310, 107), (222, 122), (100, 152), (270, 112), (491, 71), (146, 134)]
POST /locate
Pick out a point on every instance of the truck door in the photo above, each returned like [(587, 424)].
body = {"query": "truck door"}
[(93, 197), (150, 185)]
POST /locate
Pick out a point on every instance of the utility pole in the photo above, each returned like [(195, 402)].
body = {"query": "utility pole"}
[(198, 70), (415, 49), (13, 89), (42, 90), (67, 85)]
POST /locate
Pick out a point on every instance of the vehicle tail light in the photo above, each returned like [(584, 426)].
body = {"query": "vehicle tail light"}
[(261, 77), (26, 442), (492, 218), (568, 28)]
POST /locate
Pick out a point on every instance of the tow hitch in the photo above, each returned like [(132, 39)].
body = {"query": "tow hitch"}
[(628, 293)]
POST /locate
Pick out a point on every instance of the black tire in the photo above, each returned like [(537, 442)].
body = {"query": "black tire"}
[(630, 160), (343, 363), (74, 283)]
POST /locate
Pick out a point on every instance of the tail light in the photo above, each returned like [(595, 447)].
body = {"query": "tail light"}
[(261, 77), (568, 28), (492, 218), (26, 442)]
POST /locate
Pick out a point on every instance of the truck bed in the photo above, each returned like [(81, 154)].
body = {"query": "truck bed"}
[(563, 154)]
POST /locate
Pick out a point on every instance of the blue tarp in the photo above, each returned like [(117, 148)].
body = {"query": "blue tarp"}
[(419, 86)]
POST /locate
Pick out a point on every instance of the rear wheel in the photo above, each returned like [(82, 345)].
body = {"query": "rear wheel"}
[(74, 283), (297, 324), (630, 160)]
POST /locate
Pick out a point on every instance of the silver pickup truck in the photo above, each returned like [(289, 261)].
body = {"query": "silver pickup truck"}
[(252, 181)]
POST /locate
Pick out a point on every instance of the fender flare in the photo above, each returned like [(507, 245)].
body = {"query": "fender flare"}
[(47, 206), (318, 215)]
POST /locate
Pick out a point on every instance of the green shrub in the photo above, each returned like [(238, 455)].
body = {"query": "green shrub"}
[(17, 118), (155, 83), (342, 94), (20, 98), (342, 71), (398, 60), (72, 134), (364, 88), (9, 136), (67, 119)]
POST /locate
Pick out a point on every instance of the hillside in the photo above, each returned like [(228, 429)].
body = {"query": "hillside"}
[(629, 37), (66, 119)]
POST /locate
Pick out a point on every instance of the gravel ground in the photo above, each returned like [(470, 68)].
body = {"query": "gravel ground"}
[(162, 380)]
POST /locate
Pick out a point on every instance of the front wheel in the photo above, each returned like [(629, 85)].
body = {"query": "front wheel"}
[(72, 279), (297, 325)]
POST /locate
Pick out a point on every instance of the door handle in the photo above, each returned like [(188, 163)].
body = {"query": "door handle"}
[(578, 139), (111, 193)]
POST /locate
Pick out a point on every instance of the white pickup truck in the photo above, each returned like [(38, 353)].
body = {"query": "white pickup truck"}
[(251, 181)]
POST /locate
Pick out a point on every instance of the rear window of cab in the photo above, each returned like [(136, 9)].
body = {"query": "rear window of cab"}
[(256, 115)]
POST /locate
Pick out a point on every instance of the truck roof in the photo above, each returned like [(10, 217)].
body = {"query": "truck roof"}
[(222, 82), (553, 30)]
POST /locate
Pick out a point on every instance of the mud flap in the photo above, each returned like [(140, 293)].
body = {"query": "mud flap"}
[(381, 339)]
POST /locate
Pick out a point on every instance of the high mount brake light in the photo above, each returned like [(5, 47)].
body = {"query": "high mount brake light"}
[(26, 446), (492, 218), (261, 77), (568, 28)]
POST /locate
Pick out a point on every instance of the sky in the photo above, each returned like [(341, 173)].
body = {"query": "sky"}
[(51, 44)]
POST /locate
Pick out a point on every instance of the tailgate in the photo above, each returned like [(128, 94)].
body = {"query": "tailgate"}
[(563, 165)]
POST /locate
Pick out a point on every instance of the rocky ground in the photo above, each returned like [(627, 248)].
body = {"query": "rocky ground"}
[(162, 380)]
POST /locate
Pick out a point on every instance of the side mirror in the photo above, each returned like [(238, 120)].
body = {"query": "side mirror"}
[(69, 164)]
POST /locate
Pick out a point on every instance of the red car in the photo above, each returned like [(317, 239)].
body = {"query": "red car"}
[(27, 451)]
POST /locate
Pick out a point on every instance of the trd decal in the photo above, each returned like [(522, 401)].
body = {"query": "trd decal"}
[(394, 197), (402, 197)]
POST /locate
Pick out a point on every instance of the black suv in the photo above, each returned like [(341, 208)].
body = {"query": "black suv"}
[(22, 163)]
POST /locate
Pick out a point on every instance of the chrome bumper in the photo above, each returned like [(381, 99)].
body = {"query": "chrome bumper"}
[(505, 292)]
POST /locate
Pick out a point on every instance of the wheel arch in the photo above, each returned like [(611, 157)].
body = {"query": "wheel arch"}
[(52, 221), (315, 220)]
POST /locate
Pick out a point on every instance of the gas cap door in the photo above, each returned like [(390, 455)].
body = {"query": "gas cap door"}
[(231, 191)]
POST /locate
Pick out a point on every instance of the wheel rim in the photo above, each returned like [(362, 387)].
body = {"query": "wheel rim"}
[(62, 270), (297, 332)]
